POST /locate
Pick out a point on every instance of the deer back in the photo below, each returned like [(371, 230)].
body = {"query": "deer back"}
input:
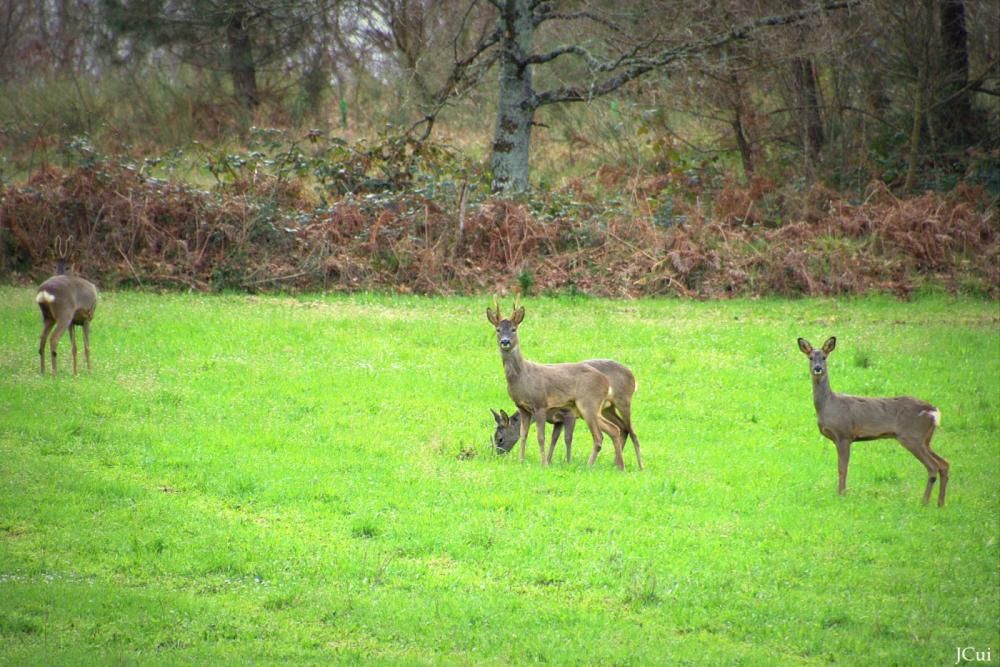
[(69, 295), (548, 386), (864, 418), (623, 384)]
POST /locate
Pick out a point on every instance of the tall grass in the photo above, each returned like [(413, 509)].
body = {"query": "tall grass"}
[(264, 479)]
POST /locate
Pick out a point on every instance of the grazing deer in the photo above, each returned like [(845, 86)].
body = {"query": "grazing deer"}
[(538, 388), (509, 430), (846, 419), (623, 386), (66, 301)]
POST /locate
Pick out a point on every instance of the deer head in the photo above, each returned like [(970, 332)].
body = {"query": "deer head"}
[(508, 431), (61, 248), (506, 328), (817, 358)]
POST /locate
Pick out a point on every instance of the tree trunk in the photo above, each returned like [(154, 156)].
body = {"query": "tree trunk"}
[(954, 115), (920, 98), (809, 115), (515, 105), (241, 62), (739, 126)]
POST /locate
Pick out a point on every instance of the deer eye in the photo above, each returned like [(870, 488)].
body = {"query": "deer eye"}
[(513, 329), (498, 329)]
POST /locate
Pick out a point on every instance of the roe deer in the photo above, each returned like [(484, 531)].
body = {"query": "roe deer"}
[(65, 301), (538, 388), (623, 386), (509, 429), (846, 419)]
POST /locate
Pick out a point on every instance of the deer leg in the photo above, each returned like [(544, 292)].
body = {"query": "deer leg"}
[(570, 423), (932, 470), (635, 445), (540, 427), (627, 419), (843, 458), (86, 343), (556, 430), (596, 433), (525, 425), (72, 344), (943, 467), (47, 325), (613, 417), (612, 429), (54, 341), (918, 447)]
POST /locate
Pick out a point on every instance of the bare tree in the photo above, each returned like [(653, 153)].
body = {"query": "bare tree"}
[(236, 36), (51, 36), (620, 58)]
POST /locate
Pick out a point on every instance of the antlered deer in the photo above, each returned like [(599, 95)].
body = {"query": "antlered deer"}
[(846, 419), (623, 386), (537, 389), (65, 301)]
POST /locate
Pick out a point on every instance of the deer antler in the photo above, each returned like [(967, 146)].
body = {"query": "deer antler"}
[(496, 305), (62, 247), (517, 301)]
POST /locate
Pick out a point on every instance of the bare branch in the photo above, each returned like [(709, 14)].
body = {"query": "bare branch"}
[(465, 74), (546, 13), (632, 67)]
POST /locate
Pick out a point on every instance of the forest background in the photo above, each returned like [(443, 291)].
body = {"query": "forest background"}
[(624, 148)]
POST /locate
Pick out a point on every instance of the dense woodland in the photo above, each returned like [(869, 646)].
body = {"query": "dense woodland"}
[(710, 148)]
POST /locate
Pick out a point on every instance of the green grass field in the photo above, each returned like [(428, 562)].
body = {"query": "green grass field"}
[(309, 479)]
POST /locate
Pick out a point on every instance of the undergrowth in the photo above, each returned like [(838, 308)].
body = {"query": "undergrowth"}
[(317, 212)]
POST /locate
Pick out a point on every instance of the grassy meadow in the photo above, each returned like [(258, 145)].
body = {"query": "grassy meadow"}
[(310, 479)]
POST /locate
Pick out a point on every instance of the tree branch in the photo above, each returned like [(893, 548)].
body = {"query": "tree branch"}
[(547, 13), (465, 74), (631, 67)]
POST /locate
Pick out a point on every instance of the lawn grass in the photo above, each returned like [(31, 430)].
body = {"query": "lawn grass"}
[(309, 479)]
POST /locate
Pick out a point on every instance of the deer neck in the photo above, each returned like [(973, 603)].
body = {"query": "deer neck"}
[(513, 364), (821, 392)]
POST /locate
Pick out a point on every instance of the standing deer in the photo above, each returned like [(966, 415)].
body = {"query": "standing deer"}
[(538, 388), (623, 386), (66, 301), (846, 419)]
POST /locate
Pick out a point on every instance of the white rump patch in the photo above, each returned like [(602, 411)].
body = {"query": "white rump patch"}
[(45, 297), (934, 414)]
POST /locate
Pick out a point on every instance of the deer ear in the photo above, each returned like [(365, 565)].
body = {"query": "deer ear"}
[(496, 417), (518, 315), (494, 318), (805, 346), (830, 343)]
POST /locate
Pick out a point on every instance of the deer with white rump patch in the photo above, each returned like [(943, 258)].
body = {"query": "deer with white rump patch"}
[(846, 419), (538, 389), (65, 301)]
